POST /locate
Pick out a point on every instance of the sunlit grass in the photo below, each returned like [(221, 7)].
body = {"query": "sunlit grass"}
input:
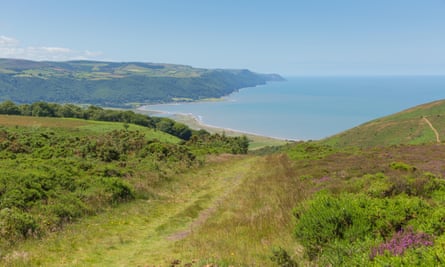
[(406, 127), (141, 232), (96, 127), (252, 220)]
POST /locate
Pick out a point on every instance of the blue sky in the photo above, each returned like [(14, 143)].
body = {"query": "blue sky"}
[(295, 37)]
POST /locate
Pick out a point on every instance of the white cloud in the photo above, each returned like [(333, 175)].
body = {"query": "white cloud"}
[(11, 48), (7, 41)]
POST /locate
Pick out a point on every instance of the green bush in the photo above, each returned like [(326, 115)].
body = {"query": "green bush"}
[(327, 218), (117, 189), (402, 166), (342, 225), (66, 208), (16, 224)]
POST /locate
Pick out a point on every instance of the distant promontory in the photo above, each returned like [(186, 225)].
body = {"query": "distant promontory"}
[(121, 84)]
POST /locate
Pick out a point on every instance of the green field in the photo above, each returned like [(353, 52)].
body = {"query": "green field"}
[(85, 126), (118, 84)]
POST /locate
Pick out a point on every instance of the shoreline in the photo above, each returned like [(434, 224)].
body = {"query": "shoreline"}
[(195, 123), (198, 124)]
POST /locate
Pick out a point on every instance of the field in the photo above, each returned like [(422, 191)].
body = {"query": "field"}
[(84, 126), (117, 84)]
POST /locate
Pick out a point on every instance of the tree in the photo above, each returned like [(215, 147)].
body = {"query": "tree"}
[(42, 109), (8, 107)]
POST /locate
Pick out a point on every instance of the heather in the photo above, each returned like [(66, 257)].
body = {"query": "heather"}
[(78, 192), (357, 217)]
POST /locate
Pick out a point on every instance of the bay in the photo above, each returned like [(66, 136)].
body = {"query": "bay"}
[(303, 108)]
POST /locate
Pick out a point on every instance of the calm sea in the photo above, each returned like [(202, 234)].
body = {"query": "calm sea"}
[(303, 108)]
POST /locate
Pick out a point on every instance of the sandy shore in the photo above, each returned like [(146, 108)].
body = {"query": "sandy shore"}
[(257, 141)]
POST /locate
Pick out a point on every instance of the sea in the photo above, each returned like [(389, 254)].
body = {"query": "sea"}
[(311, 108)]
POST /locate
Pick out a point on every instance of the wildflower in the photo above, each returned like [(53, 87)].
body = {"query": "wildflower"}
[(401, 241)]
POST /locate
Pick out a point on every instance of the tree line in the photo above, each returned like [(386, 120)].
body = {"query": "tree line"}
[(199, 139), (45, 109)]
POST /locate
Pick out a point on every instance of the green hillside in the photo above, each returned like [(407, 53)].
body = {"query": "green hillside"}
[(75, 192), (57, 170), (417, 125), (117, 83)]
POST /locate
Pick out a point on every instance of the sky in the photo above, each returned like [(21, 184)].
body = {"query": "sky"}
[(289, 37)]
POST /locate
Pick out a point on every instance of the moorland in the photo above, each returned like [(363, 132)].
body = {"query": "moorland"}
[(95, 191)]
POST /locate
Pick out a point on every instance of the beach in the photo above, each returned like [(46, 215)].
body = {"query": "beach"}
[(194, 122)]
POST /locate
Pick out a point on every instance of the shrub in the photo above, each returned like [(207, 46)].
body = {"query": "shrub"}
[(282, 258), (118, 189), (327, 220), (402, 166), (66, 208), (16, 224)]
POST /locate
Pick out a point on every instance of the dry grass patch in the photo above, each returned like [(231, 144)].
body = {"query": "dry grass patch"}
[(12, 120), (252, 220)]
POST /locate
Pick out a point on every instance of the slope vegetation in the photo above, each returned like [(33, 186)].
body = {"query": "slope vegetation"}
[(421, 124), (117, 83), (58, 170), (310, 204)]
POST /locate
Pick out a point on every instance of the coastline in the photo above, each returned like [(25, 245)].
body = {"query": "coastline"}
[(257, 141)]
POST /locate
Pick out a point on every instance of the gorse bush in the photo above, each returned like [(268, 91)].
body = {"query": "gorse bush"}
[(205, 143), (51, 177), (16, 224), (402, 166), (369, 205), (335, 228)]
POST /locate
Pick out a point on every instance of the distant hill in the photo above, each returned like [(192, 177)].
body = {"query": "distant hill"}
[(417, 125), (118, 83)]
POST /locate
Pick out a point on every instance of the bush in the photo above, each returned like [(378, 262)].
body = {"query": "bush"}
[(402, 166), (117, 189), (328, 221), (282, 258), (16, 224), (66, 208), (328, 218)]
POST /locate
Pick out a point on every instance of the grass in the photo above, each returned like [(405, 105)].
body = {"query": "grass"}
[(406, 127), (86, 126), (138, 233), (100, 127), (233, 211), (12, 120), (251, 221)]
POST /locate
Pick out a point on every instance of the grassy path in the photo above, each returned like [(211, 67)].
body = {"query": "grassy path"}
[(143, 232), (433, 129)]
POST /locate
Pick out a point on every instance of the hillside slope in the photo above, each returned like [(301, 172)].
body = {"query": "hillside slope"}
[(417, 125), (117, 83), (315, 206)]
